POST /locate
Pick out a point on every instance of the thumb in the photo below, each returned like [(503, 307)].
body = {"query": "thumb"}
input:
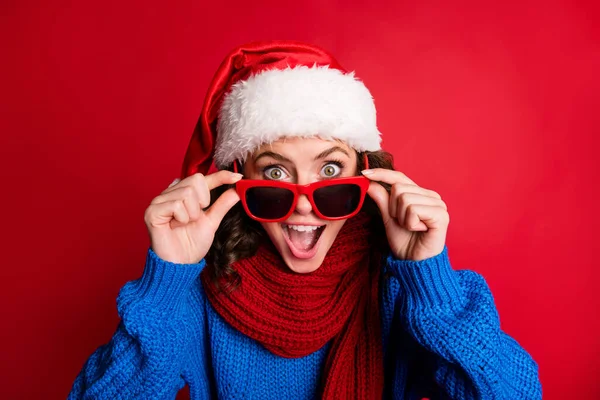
[(217, 211), (381, 197)]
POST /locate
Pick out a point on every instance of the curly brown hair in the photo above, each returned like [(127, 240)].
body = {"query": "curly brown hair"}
[(239, 236)]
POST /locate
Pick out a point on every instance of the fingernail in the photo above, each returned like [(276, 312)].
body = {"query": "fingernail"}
[(366, 171), (237, 176), (175, 182)]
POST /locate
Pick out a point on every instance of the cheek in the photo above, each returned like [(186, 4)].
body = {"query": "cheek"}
[(333, 229), (273, 229)]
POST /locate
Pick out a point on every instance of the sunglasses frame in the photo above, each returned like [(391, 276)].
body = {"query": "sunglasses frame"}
[(243, 185)]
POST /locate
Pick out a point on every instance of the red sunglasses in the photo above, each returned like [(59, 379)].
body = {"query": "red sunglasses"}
[(275, 201)]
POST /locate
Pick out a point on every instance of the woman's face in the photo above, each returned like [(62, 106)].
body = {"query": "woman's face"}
[(303, 239)]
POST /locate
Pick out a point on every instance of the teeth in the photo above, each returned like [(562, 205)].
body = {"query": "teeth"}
[(303, 228)]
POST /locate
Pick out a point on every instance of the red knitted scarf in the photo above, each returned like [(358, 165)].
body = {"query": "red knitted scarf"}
[(293, 315)]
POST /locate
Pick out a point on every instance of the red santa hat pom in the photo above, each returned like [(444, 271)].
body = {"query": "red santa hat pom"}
[(265, 91)]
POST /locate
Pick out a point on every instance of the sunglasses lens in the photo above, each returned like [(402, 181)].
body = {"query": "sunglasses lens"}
[(337, 200), (269, 202)]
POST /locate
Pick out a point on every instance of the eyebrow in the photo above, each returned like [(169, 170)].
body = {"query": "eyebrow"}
[(271, 154), (281, 158), (329, 151)]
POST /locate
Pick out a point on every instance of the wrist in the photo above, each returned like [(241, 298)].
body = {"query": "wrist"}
[(429, 282)]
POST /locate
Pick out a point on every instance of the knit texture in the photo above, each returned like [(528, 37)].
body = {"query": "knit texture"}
[(440, 332), (293, 315)]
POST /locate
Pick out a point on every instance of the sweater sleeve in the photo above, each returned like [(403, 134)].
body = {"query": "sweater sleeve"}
[(452, 315), (146, 355)]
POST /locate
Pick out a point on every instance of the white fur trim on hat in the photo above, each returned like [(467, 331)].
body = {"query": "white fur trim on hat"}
[(301, 101)]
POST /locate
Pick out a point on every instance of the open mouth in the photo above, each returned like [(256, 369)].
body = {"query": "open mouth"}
[(303, 240)]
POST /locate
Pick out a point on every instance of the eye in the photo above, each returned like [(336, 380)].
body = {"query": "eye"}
[(330, 170), (274, 173)]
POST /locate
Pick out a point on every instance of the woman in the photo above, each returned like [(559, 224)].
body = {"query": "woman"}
[(317, 271)]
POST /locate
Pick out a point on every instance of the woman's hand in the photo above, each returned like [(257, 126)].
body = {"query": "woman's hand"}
[(416, 219), (181, 231)]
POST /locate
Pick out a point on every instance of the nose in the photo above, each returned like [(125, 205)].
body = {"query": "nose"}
[(303, 206)]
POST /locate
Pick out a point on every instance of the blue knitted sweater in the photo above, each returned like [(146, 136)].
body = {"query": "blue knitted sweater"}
[(441, 339)]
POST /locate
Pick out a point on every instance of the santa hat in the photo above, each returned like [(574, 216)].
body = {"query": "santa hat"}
[(265, 91)]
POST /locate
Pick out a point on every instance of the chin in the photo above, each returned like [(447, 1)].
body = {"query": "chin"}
[(303, 261), (302, 266)]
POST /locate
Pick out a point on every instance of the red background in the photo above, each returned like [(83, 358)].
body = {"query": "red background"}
[(493, 106)]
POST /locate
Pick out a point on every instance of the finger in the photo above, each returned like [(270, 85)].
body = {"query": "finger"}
[(181, 192), (404, 200), (381, 197), (422, 218), (163, 213), (388, 176), (192, 205), (211, 181), (202, 185), (222, 178), (398, 189), (217, 211), (188, 195), (178, 183)]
